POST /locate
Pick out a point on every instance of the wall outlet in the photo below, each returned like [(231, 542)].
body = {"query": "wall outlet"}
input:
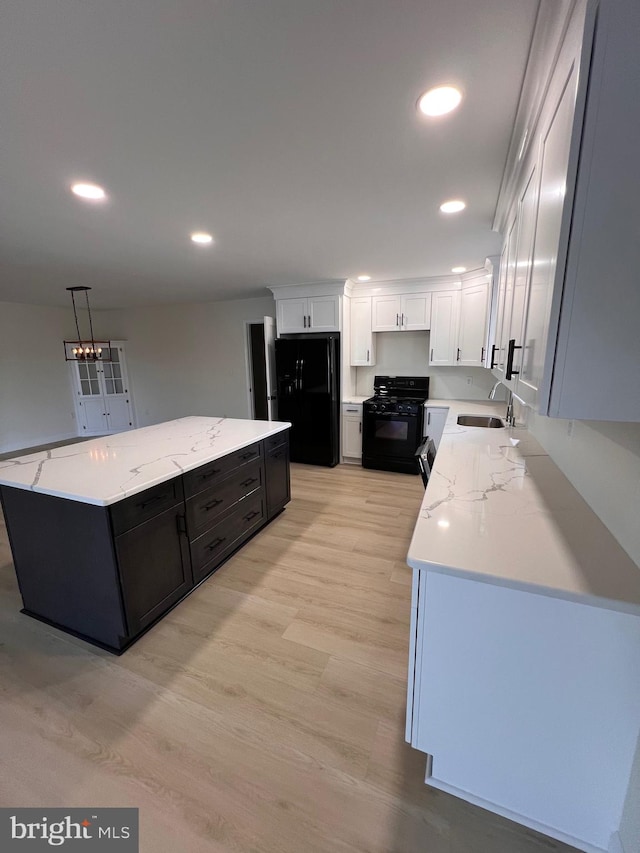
[(569, 428), (469, 380)]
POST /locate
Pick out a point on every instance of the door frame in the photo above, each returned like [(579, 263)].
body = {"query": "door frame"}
[(247, 361)]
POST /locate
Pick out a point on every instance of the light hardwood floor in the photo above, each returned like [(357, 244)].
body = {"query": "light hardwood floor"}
[(265, 714)]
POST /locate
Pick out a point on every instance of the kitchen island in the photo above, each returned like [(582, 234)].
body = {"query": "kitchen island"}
[(524, 673), (110, 534)]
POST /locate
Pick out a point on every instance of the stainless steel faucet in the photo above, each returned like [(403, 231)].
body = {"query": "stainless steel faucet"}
[(509, 417)]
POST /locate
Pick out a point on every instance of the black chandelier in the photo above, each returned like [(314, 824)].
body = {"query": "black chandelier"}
[(84, 350)]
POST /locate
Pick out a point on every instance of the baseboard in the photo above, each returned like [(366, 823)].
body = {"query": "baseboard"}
[(47, 439), (518, 818)]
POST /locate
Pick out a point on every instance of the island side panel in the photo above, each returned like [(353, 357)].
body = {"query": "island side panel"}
[(65, 563)]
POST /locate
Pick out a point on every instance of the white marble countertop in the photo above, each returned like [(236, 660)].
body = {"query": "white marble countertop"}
[(498, 510), (106, 470), (355, 399)]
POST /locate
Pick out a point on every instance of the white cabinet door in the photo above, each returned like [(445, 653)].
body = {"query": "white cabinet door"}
[(362, 339), (472, 338), (92, 416), (445, 311), (386, 312), (292, 315), (323, 314), (434, 420), (415, 311), (118, 412), (506, 300), (527, 213), (553, 170), (308, 314), (352, 431)]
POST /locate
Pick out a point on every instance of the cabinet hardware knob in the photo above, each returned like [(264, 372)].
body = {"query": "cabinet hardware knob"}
[(431, 357), (458, 354), (309, 320), (367, 355), (251, 515), (212, 545), (482, 355), (397, 319), (428, 418), (360, 427), (249, 481), (248, 455)]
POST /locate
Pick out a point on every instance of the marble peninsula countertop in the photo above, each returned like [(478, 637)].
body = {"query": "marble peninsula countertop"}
[(498, 510), (105, 470)]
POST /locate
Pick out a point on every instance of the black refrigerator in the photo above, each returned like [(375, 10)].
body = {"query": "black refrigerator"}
[(308, 388)]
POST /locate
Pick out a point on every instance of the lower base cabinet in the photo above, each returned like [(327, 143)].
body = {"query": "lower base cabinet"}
[(106, 574), (525, 704)]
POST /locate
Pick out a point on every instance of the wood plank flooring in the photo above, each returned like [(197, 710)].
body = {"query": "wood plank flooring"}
[(265, 714)]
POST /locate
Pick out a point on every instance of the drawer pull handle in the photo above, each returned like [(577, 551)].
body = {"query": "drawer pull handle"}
[(209, 474), (249, 481), (213, 545), (248, 455), (213, 503), (150, 501), (251, 515)]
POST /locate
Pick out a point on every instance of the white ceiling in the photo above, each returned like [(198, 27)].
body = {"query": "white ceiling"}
[(286, 128)]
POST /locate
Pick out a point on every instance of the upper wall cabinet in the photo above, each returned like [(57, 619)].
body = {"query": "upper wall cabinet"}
[(363, 349), (569, 302), (472, 334), (405, 312), (593, 351), (308, 314), (445, 313)]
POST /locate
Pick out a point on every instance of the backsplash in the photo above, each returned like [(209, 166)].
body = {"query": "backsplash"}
[(407, 354)]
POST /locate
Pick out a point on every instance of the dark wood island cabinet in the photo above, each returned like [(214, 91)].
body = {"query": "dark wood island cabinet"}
[(108, 573)]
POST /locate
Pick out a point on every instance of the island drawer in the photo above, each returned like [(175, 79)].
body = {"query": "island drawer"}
[(208, 550), (201, 478), (205, 507), (276, 440), (139, 508)]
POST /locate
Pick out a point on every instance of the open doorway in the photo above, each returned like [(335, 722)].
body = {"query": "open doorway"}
[(260, 341)]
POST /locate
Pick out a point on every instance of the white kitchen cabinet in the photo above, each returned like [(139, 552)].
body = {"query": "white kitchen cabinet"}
[(308, 314), (352, 432), (103, 403), (445, 312), (435, 417), (472, 334), (593, 348), (363, 350), (524, 726), (402, 312)]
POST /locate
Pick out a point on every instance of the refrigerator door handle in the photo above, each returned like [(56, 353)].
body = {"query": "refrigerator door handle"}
[(301, 368)]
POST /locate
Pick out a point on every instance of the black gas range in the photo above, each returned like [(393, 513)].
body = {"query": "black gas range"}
[(392, 423)]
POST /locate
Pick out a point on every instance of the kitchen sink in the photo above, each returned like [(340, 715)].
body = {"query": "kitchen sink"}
[(486, 421)]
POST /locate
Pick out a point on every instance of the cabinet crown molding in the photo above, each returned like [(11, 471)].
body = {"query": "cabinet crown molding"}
[(310, 288), (406, 285)]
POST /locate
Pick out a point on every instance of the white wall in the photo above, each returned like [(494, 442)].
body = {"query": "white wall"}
[(602, 460), (187, 359), (407, 354), (36, 400)]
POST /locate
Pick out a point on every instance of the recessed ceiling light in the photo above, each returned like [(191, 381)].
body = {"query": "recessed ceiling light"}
[(438, 101), (202, 238), (458, 269), (90, 191), (453, 206), (364, 278)]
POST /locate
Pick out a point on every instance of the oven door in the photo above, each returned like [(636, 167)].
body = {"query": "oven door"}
[(390, 435)]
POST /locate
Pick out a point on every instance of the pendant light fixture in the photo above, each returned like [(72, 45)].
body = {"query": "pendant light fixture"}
[(85, 350)]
